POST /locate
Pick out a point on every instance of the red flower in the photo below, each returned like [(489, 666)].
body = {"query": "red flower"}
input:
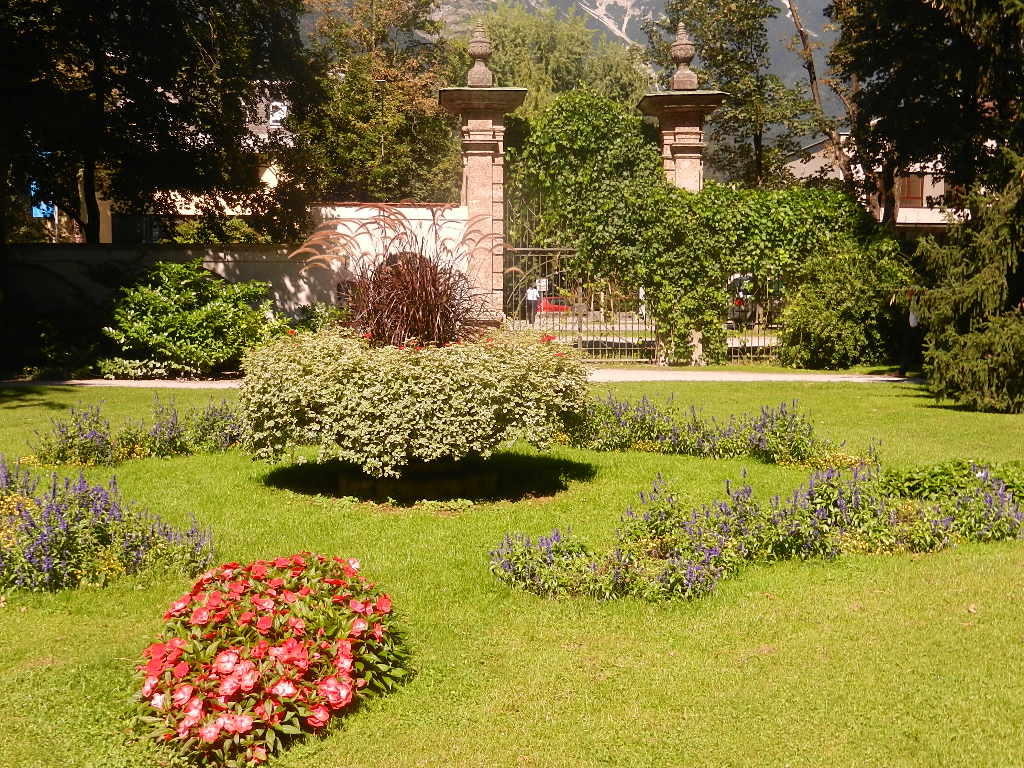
[(258, 569), (291, 331), (178, 607), (180, 670), (264, 623), (336, 692), (383, 604), (318, 717), (263, 603), (246, 617), (200, 616)]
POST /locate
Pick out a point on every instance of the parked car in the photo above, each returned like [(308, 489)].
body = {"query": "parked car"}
[(554, 304)]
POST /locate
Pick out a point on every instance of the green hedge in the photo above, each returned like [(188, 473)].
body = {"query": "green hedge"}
[(383, 408)]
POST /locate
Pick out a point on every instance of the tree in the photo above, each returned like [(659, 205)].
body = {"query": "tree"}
[(929, 82), (762, 119), (380, 135), (144, 102), (550, 53)]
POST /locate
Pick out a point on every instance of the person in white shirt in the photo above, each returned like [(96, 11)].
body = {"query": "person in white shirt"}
[(532, 300)]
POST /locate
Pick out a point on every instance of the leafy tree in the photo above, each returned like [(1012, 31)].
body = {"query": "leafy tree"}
[(550, 53), (380, 135), (761, 121), (143, 101)]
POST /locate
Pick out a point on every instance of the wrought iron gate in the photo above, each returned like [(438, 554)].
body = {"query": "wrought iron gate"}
[(602, 319)]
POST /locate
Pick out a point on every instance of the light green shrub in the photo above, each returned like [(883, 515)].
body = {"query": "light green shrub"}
[(383, 408)]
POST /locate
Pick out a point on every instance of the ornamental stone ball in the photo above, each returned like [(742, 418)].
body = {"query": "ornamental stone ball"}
[(480, 49), (682, 51)]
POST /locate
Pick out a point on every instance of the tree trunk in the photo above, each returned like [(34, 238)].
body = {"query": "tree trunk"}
[(839, 155), (887, 192), (758, 159), (90, 202)]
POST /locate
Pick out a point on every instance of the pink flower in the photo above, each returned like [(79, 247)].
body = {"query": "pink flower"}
[(178, 607), (210, 732), (149, 685), (263, 603), (377, 632), (318, 717), (181, 695), (356, 606), (248, 679), (158, 700), (225, 662), (336, 692), (384, 604), (264, 623), (284, 689), (246, 618), (359, 626), (237, 723), (199, 617), (180, 670), (228, 686), (258, 570)]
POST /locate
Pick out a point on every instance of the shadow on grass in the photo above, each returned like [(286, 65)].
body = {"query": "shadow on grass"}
[(32, 396), (506, 476)]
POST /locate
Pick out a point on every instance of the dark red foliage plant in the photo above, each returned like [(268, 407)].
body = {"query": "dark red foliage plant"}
[(405, 281)]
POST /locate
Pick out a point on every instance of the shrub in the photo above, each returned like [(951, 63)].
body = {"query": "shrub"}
[(775, 435), (187, 320), (255, 655), (382, 408), (843, 314), (75, 534), (668, 550)]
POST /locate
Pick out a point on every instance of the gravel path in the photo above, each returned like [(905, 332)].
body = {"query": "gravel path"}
[(596, 375)]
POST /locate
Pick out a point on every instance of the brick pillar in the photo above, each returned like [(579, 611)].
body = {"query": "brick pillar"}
[(680, 113), (482, 109)]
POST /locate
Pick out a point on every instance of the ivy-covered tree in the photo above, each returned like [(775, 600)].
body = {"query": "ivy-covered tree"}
[(380, 135), (761, 122)]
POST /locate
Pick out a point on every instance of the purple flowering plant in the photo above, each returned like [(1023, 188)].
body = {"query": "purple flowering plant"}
[(63, 533), (667, 550)]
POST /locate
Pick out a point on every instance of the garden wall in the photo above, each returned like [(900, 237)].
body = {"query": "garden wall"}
[(66, 276)]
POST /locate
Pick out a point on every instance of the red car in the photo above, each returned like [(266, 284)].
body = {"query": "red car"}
[(554, 304)]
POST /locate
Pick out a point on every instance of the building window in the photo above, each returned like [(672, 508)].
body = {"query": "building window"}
[(910, 191)]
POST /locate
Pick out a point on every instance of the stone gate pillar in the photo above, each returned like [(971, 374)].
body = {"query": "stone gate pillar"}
[(482, 109), (680, 113)]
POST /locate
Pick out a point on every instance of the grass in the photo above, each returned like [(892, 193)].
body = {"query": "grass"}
[(903, 660)]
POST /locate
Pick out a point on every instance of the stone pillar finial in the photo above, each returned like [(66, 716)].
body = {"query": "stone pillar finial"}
[(683, 51), (480, 49)]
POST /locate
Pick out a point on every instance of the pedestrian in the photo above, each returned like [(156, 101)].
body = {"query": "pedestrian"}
[(532, 300)]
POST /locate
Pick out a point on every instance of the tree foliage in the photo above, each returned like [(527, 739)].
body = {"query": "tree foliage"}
[(550, 53), (761, 121), (974, 310), (380, 135), (162, 95)]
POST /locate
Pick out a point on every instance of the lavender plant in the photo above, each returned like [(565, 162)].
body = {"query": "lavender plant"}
[(775, 435), (73, 533), (86, 438), (669, 551)]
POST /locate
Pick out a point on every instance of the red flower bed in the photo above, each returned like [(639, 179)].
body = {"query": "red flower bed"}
[(257, 654)]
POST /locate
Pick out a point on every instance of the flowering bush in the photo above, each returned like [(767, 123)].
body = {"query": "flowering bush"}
[(383, 408), (75, 533), (670, 551), (87, 438), (255, 655), (775, 435)]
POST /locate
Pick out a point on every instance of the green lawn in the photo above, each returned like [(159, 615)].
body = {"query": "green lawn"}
[(873, 660)]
